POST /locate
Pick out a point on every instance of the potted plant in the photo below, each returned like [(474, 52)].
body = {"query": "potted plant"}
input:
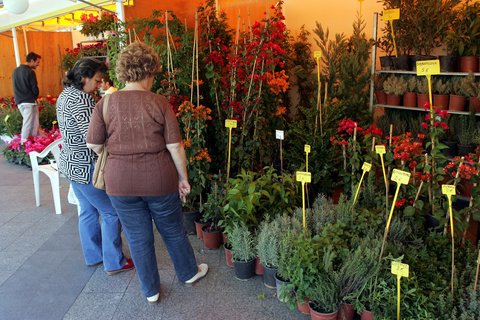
[(410, 97), (464, 36), (212, 214), (470, 88), (457, 99), (466, 133), (90, 26), (422, 91), (441, 96), (106, 23), (244, 253), (324, 294), (379, 92), (395, 87), (268, 246)]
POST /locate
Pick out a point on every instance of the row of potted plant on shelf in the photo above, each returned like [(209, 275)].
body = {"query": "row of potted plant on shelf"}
[(450, 93)]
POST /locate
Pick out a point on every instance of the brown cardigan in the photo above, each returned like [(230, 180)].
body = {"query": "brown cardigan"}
[(140, 125)]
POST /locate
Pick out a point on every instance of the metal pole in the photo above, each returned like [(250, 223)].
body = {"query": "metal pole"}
[(15, 46), (26, 40), (374, 59), (120, 11)]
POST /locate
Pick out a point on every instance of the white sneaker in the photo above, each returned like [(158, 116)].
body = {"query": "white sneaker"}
[(202, 271), (154, 299)]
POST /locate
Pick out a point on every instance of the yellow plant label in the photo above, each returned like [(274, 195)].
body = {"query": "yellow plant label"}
[(367, 166), (391, 14), (230, 123), (317, 54), (400, 269), (400, 176), (307, 148), (304, 177), (428, 67), (448, 190), (380, 149), (279, 134)]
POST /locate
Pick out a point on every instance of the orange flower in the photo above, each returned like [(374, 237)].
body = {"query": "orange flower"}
[(280, 111), (278, 82)]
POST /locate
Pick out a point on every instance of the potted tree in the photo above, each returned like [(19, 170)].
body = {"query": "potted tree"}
[(395, 87), (268, 251), (441, 96), (410, 97), (457, 99), (244, 253), (470, 88), (422, 91)]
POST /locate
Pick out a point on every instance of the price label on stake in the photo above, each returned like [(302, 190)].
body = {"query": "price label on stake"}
[(380, 149), (307, 151), (400, 269), (448, 190), (307, 148), (367, 166), (400, 176), (279, 134), (230, 123), (428, 67), (317, 54), (391, 14), (304, 177)]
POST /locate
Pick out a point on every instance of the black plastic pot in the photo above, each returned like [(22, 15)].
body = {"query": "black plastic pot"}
[(451, 150), (386, 62), (447, 63), (464, 150), (282, 283), (402, 62), (244, 270), (189, 220), (269, 277), (420, 58)]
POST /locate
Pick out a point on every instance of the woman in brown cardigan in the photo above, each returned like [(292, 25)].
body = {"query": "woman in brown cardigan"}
[(145, 173)]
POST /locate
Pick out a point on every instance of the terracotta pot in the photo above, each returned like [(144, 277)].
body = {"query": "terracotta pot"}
[(258, 267), (304, 307), (457, 103), (394, 100), (410, 99), (224, 237), (367, 315), (198, 226), (228, 255), (475, 103), (421, 99), (381, 97), (346, 312), (211, 239), (441, 101), (467, 188), (322, 316), (468, 64)]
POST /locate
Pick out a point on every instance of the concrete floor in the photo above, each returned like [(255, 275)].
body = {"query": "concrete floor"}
[(43, 274)]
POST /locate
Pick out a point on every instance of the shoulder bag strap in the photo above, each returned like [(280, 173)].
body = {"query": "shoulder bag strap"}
[(105, 107)]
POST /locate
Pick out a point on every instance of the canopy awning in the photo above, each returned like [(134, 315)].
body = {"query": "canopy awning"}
[(40, 10)]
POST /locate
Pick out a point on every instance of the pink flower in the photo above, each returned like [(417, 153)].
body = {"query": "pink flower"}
[(424, 125)]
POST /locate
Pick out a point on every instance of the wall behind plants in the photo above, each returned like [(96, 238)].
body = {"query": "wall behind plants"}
[(45, 44)]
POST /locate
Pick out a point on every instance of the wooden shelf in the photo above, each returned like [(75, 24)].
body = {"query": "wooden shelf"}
[(421, 109)]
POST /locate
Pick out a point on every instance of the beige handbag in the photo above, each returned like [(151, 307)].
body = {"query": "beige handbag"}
[(98, 179)]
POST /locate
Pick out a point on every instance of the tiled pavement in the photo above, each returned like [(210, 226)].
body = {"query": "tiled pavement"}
[(43, 274)]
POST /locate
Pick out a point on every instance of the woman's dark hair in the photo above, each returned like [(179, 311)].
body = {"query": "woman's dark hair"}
[(84, 68)]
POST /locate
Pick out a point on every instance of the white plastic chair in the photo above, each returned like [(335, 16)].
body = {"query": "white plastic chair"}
[(51, 170)]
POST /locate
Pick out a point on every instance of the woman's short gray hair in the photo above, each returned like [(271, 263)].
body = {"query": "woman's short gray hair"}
[(136, 62)]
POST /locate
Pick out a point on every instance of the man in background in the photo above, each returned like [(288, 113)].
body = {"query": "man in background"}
[(25, 89), (107, 85)]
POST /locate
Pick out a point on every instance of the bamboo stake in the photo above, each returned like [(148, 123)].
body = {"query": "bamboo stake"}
[(196, 57), (250, 25), (354, 150), (470, 205), (193, 58), (455, 184), (476, 275), (219, 114)]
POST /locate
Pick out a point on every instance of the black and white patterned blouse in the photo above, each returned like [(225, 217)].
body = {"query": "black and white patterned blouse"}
[(74, 109)]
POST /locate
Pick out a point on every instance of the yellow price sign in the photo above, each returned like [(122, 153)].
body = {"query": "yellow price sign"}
[(317, 54), (304, 177), (428, 67), (400, 269), (367, 166), (230, 123), (391, 14), (380, 149), (400, 176), (448, 190), (307, 148)]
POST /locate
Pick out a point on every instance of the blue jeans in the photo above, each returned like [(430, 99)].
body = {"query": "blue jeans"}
[(136, 214), (99, 242)]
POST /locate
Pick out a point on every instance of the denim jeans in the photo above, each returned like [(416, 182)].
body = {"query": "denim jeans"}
[(99, 242), (136, 215)]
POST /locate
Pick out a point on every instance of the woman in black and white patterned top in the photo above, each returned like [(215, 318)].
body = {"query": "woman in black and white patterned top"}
[(100, 242)]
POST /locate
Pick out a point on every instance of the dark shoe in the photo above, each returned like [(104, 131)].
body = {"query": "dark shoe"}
[(128, 266)]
